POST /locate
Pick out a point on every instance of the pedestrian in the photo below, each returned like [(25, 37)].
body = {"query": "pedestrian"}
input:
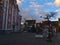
[(37, 28), (33, 28)]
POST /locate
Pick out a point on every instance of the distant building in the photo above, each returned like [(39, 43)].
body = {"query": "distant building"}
[(59, 24), (53, 24), (30, 22), (59, 19)]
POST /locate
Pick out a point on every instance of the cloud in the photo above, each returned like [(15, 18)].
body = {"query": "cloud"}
[(35, 5), (26, 15), (33, 2), (57, 2), (43, 12), (58, 16), (58, 10), (40, 15), (37, 12), (50, 3), (19, 2), (58, 13)]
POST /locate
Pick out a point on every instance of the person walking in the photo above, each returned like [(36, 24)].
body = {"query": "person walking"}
[(37, 28)]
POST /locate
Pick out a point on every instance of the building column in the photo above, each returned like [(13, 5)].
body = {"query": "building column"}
[(3, 25), (16, 20), (12, 17), (5, 15)]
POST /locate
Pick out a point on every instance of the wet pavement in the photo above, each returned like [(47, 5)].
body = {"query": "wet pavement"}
[(26, 38)]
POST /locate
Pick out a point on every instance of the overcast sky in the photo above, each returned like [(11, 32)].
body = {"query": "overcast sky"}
[(33, 9)]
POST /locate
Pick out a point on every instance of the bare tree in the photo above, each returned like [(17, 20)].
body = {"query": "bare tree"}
[(48, 16)]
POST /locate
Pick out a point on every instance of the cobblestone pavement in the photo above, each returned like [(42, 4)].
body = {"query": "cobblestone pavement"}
[(26, 39)]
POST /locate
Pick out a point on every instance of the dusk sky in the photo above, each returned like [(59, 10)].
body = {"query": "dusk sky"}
[(33, 9)]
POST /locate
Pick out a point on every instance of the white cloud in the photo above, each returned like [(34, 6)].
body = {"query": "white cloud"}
[(37, 12), (57, 2), (35, 5), (58, 10), (19, 1), (33, 2), (58, 16), (58, 13), (40, 15), (50, 3), (38, 6), (26, 15)]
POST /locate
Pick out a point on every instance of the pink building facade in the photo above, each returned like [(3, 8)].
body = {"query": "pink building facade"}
[(10, 15), (1, 13)]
